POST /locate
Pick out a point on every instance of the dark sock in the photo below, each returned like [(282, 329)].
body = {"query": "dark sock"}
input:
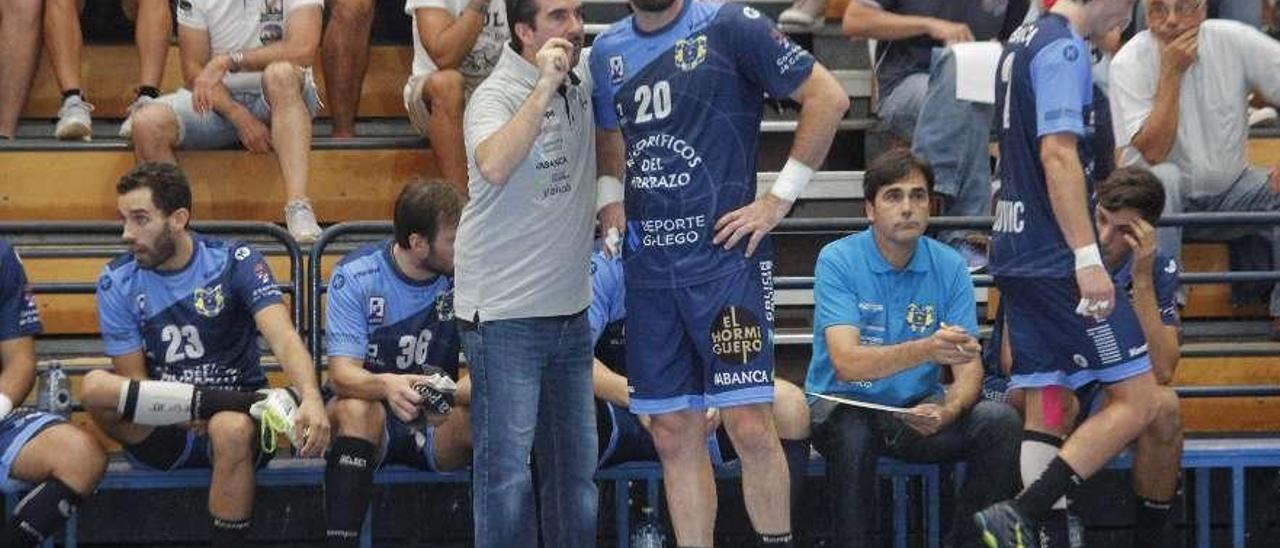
[(207, 402), (1057, 481), (1150, 522), (73, 91), (228, 533), (42, 512), (148, 91), (797, 453), (773, 539), (348, 486)]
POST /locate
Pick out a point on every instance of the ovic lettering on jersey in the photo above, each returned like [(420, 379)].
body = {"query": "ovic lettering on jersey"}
[(1009, 217)]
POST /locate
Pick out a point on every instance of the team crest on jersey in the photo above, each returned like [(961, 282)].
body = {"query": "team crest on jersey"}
[(615, 69), (377, 310), (242, 253), (919, 318), (209, 301), (444, 307), (750, 13), (691, 52), (260, 270)]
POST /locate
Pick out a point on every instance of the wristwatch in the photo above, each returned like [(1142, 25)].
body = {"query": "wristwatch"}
[(237, 61)]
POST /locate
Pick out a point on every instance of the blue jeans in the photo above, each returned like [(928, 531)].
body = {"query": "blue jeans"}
[(852, 440), (1249, 192), (531, 391), (952, 136)]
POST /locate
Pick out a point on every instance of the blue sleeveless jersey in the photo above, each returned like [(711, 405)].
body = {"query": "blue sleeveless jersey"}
[(394, 324), (688, 100), (19, 316), (1045, 86), (194, 325)]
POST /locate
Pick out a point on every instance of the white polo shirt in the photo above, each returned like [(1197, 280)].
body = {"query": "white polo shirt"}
[(238, 25), (524, 247)]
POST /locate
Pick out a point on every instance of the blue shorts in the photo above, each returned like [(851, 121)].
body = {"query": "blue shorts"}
[(1054, 346), (705, 345), (16, 430), (624, 439), (408, 445), (174, 448)]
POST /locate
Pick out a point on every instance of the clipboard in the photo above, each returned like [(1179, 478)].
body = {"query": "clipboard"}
[(863, 404)]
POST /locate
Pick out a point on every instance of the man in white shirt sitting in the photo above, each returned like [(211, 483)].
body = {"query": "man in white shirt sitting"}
[(248, 79), (1179, 103)]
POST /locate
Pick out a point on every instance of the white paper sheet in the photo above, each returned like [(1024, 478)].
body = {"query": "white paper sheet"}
[(868, 405), (976, 71)]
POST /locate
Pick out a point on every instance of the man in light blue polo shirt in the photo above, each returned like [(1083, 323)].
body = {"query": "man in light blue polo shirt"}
[(891, 306)]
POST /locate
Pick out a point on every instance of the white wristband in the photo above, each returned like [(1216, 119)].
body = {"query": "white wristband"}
[(791, 180), (1088, 256), (6, 405), (608, 191)]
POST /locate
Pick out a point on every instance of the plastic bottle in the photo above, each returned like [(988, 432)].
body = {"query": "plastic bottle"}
[(648, 533), (53, 394)]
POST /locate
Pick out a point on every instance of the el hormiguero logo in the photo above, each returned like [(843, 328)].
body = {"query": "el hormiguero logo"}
[(736, 335)]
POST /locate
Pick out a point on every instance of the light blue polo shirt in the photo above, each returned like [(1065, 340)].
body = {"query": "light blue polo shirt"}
[(855, 286)]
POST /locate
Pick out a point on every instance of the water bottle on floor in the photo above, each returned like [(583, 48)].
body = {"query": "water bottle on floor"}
[(53, 395), (648, 532)]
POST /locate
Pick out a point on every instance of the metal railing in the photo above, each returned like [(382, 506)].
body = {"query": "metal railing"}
[(98, 228), (306, 309), (316, 285)]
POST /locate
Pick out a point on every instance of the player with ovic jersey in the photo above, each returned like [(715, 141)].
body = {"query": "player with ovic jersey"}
[(390, 333), (1065, 323), (180, 316), (55, 462), (678, 99)]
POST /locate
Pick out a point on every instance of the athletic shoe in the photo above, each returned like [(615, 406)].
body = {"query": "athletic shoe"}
[(74, 121), (126, 129), (1002, 526), (804, 13), (275, 413), (301, 220), (1061, 529), (1260, 116)]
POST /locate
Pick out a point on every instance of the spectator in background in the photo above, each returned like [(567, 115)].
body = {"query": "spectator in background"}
[(63, 40), (891, 308), (908, 30), (456, 44), (19, 48), (346, 57), (1178, 94), (248, 79)]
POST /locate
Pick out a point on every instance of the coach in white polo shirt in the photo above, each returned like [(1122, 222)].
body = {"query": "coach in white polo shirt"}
[(523, 282), (247, 68), (456, 44)]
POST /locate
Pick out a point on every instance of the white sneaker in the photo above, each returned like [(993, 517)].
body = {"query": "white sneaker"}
[(301, 220), (74, 122), (1258, 116), (126, 129), (275, 413), (804, 13)]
